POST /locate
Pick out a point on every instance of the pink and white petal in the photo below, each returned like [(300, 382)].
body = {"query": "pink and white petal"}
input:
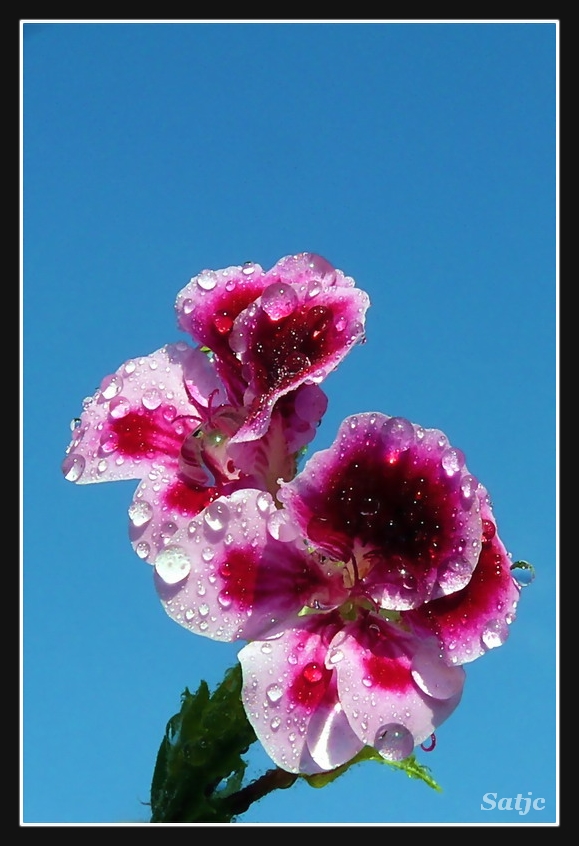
[(377, 688), (302, 411), (226, 576), (285, 681), (137, 419), (391, 496), (291, 336), (330, 737), (310, 270), (208, 305), (477, 618)]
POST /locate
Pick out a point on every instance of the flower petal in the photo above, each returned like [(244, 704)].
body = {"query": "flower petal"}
[(138, 418), (301, 327), (291, 700), (398, 502), (208, 305), (477, 618), (226, 576), (375, 663)]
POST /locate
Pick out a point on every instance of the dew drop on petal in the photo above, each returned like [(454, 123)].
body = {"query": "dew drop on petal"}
[(142, 549), (224, 598), (111, 386), (152, 399), (495, 633), (206, 281), (109, 442), (275, 723), (173, 564), (119, 407), (188, 306), (140, 512), (203, 609), (73, 467), (280, 527), (312, 673), (266, 648), (279, 300), (454, 574), (452, 461), (75, 423), (274, 693), (398, 434), (263, 502), (207, 554), (394, 742), (216, 516)]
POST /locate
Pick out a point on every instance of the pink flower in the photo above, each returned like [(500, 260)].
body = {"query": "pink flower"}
[(392, 507), (196, 425)]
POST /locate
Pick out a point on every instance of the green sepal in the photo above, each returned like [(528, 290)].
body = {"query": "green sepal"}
[(412, 768), (199, 762)]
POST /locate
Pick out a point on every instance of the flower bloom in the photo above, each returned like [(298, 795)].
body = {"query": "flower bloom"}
[(196, 424), (428, 587), (363, 583)]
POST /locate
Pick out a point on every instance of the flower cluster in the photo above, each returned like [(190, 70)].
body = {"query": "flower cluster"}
[(361, 583)]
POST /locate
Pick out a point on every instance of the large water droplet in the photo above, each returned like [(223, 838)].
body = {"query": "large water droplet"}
[(280, 526), (452, 461), (119, 407), (73, 467), (140, 512), (274, 693), (173, 564), (398, 434), (394, 742), (216, 516), (523, 573), (152, 399), (207, 280), (454, 574), (263, 502), (109, 442), (312, 673), (111, 386), (275, 723), (279, 300), (495, 633), (142, 549)]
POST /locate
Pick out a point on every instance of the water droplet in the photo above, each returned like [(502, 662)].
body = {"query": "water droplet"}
[(216, 516), (189, 614), (428, 745), (247, 269), (275, 723), (73, 467), (152, 399), (398, 434), (394, 742), (207, 280), (169, 413), (274, 693), (454, 574), (452, 461), (119, 407), (167, 530), (280, 526), (279, 300), (495, 633), (109, 442), (208, 554), (111, 386), (140, 512), (102, 465), (224, 598), (367, 681), (335, 656), (263, 502), (523, 573), (341, 324), (173, 564), (266, 648), (203, 609), (188, 306), (312, 673), (223, 322), (75, 423), (142, 549)]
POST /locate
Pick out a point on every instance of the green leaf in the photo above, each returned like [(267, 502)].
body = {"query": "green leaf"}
[(199, 761), (409, 765)]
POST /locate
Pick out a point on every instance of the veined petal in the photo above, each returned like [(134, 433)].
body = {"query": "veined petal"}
[(138, 418), (301, 327), (290, 697), (397, 503), (208, 305), (383, 674), (231, 574), (477, 618)]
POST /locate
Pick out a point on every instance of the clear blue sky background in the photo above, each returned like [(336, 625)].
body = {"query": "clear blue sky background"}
[(420, 158)]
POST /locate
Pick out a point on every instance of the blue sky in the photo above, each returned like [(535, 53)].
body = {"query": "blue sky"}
[(419, 158)]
